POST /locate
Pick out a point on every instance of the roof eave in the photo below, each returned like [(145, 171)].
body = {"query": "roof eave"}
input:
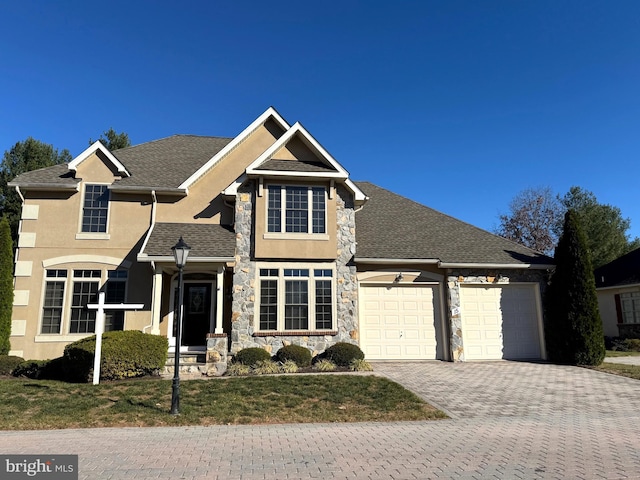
[(137, 189), (528, 266), (45, 186), (142, 257)]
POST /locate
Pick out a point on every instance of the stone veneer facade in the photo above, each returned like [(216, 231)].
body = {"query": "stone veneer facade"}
[(245, 288), (456, 278)]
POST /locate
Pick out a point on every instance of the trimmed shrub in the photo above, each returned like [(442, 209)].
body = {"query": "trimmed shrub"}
[(632, 344), (30, 369), (343, 353), (251, 356), (125, 354), (324, 365), (8, 363), (296, 353)]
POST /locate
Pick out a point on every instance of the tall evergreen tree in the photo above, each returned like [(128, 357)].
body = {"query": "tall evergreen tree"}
[(23, 157), (113, 140), (6, 285), (573, 329)]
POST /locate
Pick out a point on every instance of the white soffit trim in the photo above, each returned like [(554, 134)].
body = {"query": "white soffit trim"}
[(97, 145), (306, 137), (531, 266), (269, 113), (143, 257), (398, 261), (232, 190), (620, 287)]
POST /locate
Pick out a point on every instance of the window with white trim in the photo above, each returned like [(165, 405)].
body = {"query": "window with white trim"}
[(293, 299), (115, 293), (299, 209), (95, 208), (53, 304), (86, 284), (630, 306)]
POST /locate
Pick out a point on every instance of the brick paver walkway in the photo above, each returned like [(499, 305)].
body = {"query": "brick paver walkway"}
[(511, 420)]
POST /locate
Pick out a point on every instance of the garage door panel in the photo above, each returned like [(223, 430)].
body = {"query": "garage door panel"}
[(500, 322), (407, 322)]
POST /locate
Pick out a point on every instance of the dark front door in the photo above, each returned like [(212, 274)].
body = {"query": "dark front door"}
[(197, 313)]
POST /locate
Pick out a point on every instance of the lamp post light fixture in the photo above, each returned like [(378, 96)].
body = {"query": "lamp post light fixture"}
[(180, 254)]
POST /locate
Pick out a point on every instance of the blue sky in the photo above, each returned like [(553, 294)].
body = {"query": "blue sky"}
[(458, 105)]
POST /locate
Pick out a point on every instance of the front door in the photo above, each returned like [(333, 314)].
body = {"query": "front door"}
[(197, 313)]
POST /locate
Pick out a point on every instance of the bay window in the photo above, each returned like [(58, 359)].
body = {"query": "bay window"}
[(295, 299)]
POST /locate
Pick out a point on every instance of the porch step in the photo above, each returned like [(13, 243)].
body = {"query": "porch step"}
[(191, 363)]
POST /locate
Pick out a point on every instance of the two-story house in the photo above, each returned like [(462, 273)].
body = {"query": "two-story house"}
[(286, 248)]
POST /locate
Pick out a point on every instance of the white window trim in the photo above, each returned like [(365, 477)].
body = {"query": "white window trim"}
[(634, 298), (69, 280), (281, 294), (283, 234), (80, 235)]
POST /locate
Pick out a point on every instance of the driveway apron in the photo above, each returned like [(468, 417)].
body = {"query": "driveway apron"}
[(509, 421)]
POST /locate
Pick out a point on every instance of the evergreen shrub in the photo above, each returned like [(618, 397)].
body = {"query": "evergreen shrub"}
[(296, 353), (343, 353), (250, 356), (125, 354), (8, 363)]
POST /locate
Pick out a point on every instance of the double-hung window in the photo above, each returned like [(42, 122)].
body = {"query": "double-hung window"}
[(296, 209), (115, 293), (53, 301), (95, 208), (294, 299), (86, 284), (630, 306)]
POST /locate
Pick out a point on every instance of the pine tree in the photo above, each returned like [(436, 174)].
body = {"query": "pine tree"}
[(573, 328), (6, 285)]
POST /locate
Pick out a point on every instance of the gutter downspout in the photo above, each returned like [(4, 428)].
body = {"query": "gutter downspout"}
[(154, 202)]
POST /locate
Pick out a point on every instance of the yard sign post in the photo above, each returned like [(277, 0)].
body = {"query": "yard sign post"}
[(100, 307)]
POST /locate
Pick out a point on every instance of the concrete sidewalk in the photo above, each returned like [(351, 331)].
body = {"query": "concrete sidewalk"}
[(512, 420), (630, 360)]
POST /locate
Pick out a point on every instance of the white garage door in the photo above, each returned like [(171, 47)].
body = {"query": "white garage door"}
[(500, 322), (400, 322)]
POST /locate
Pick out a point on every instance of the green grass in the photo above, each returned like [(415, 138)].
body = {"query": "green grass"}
[(616, 353), (631, 371), (41, 404)]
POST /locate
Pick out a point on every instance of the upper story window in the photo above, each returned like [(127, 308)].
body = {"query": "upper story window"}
[(95, 208), (296, 209)]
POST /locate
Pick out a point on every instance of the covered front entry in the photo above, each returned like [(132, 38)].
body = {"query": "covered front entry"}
[(197, 313), (400, 322), (501, 322)]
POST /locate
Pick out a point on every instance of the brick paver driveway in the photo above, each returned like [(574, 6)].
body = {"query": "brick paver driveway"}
[(510, 420)]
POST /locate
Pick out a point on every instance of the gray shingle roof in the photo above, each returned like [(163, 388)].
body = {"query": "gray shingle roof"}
[(167, 162), (620, 272), (205, 240), (295, 166), (391, 226), (164, 163), (57, 175)]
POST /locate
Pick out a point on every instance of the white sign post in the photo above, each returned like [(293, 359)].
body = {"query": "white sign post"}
[(101, 307)]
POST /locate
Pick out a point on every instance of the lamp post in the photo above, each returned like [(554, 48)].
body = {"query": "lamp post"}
[(180, 254)]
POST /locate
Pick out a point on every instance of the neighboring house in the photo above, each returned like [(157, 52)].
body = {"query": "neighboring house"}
[(618, 288), (286, 248)]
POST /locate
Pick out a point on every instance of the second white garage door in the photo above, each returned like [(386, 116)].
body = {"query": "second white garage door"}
[(500, 322), (400, 322)]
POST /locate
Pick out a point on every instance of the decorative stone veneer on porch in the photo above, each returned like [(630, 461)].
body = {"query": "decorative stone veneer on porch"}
[(456, 278), (243, 333)]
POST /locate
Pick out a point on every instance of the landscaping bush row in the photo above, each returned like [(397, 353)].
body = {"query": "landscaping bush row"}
[(341, 354), (266, 367), (622, 344)]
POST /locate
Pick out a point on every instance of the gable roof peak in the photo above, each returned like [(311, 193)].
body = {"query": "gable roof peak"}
[(93, 148)]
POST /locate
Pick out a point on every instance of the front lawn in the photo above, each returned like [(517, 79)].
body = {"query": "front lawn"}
[(618, 353), (42, 404), (631, 371)]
